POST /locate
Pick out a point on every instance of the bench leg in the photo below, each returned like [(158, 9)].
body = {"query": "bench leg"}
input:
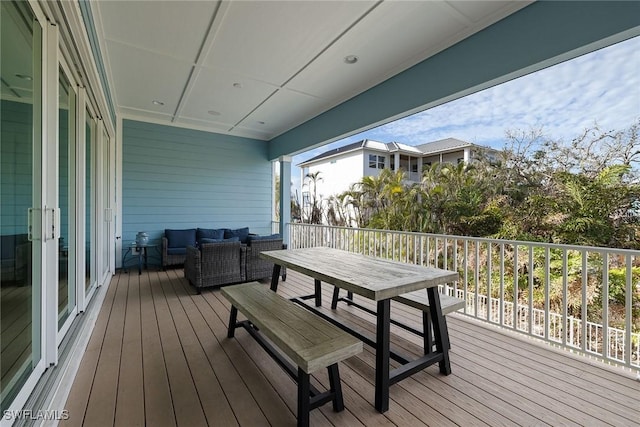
[(274, 277), (427, 328), (233, 317), (335, 387), (304, 404)]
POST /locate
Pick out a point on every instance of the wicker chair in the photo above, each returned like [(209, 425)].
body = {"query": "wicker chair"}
[(169, 259), (215, 264), (258, 268)]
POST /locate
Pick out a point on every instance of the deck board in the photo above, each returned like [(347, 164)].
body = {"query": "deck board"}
[(159, 356), (158, 405), (130, 402)]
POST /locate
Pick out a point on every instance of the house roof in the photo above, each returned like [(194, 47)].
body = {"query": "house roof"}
[(365, 143), (447, 144), (440, 146)]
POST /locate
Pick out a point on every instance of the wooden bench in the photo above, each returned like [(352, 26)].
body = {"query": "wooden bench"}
[(309, 341), (416, 299)]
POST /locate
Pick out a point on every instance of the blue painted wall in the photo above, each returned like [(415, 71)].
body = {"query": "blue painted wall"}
[(182, 178)]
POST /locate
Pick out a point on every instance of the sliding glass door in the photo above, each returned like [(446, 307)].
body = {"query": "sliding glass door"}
[(90, 203), (21, 199), (66, 202), (106, 253)]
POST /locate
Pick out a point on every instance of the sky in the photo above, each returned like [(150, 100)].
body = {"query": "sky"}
[(601, 87)]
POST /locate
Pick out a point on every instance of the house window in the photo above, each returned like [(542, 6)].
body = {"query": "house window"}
[(414, 167), (376, 162)]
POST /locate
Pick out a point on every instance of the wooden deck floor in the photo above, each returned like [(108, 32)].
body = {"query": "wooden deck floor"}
[(159, 356)]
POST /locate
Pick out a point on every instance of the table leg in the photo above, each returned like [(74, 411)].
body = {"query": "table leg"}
[(140, 260), (317, 284), (274, 277), (440, 331), (124, 257), (382, 355)]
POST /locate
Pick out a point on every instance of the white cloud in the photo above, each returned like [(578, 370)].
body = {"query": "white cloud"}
[(602, 86)]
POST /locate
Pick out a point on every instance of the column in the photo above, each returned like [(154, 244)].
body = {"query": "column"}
[(285, 196)]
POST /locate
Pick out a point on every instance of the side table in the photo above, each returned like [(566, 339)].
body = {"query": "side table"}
[(141, 251)]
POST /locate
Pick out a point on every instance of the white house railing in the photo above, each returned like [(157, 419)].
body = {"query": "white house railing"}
[(559, 288)]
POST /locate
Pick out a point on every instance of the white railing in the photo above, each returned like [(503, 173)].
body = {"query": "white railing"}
[(557, 286)]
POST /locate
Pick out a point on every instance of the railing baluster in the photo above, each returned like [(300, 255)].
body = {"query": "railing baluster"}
[(466, 276), (531, 267), (583, 309), (547, 286), (628, 293), (565, 299), (490, 306), (502, 284), (476, 276), (445, 263), (605, 305), (515, 287)]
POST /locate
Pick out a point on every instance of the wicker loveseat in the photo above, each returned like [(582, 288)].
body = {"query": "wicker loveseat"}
[(215, 264), (258, 268), (174, 246), (226, 262)]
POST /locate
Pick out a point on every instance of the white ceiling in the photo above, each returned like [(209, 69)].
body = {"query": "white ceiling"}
[(264, 67)]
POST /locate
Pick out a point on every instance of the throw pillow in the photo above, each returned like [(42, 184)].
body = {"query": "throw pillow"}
[(209, 233), (180, 238), (241, 233), (269, 237), (231, 239)]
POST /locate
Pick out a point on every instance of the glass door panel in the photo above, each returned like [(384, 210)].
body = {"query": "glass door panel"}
[(90, 275), (66, 200), (20, 195), (106, 185)]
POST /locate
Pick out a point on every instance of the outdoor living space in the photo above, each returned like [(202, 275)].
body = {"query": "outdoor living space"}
[(159, 355)]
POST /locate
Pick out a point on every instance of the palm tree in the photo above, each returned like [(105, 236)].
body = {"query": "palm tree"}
[(311, 180)]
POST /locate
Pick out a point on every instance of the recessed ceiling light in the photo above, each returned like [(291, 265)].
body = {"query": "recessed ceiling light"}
[(213, 112), (237, 85), (156, 102), (24, 77), (350, 59)]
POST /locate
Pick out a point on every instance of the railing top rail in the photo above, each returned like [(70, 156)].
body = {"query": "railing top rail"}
[(617, 251)]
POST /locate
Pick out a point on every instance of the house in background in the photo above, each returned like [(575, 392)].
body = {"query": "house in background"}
[(341, 167)]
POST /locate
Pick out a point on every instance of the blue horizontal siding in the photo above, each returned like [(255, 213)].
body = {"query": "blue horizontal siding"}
[(182, 178)]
